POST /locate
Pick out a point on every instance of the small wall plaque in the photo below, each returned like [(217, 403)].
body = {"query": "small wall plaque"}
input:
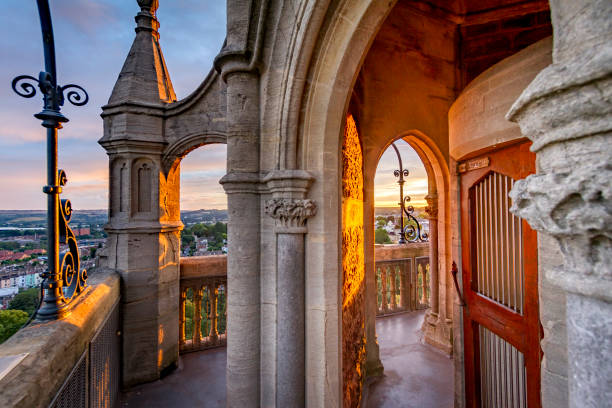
[(473, 165)]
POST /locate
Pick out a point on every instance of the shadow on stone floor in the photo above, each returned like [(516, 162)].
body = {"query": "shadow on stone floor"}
[(199, 381), (416, 374)]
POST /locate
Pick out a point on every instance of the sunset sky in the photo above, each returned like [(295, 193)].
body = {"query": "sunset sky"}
[(92, 40)]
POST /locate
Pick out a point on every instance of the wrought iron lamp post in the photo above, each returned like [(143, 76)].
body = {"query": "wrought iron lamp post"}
[(61, 282), (411, 232)]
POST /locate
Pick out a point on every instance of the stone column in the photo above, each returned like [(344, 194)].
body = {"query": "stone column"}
[(373, 364), (437, 326), (567, 113), (432, 317), (238, 62), (432, 214), (241, 184), (290, 210)]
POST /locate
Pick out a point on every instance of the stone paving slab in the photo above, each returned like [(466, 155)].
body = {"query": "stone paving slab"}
[(199, 381), (416, 374)]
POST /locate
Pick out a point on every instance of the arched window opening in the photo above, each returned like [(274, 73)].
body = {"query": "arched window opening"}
[(401, 254), (203, 263), (203, 202), (405, 244)]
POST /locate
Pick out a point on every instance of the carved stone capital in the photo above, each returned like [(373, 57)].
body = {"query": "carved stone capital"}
[(290, 214), (575, 208), (432, 206), (288, 183)]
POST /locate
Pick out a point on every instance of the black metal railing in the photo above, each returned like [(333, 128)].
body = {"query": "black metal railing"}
[(62, 282), (410, 231)]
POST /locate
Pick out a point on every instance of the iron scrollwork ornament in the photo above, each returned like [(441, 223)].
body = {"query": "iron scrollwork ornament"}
[(410, 231), (73, 277), (53, 96), (63, 281)]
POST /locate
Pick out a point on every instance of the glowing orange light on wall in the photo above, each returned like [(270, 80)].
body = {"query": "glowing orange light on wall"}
[(352, 212), (353, 273)]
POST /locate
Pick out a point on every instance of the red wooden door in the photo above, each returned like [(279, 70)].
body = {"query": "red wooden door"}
[(500, 281)]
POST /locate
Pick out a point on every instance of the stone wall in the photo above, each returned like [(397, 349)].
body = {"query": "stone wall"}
[(554, 386), (477, 119), (46, 353)]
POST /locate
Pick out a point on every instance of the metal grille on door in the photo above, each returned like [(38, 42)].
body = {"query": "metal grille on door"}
[(499, 243)]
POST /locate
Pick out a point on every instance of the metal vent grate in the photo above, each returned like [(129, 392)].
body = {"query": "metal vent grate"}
[(104, 364), (73, 393)]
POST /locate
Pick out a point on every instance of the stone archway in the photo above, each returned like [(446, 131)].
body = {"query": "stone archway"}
[(183, 145), (438, 324), (339, 53), (346, 37)]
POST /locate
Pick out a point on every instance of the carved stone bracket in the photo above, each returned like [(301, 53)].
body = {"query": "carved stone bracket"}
[(432, 206), (291, 214), (575, 208)]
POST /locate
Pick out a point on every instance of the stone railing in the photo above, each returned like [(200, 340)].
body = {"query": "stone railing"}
[(402, 278), (202, 311), (72, 362)]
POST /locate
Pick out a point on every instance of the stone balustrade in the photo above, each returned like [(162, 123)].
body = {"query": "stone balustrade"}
[(402, 278), (203, 303)]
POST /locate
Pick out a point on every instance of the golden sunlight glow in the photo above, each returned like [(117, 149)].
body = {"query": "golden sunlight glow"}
[(386, 190), (353, 317), (352, 213)]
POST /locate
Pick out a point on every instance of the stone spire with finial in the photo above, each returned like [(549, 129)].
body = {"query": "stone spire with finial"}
[(144, 77)]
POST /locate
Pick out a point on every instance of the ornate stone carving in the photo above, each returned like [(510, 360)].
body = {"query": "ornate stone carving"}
[(290, 213), (432, 206), (575, 208)]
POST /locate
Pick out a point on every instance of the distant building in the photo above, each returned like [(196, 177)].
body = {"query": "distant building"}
[(6, 295), (82, 231)]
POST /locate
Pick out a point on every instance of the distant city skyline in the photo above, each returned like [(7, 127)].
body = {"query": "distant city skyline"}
[(192, 33)]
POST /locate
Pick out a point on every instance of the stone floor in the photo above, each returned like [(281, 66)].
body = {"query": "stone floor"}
[(416, 375), (199, 381)]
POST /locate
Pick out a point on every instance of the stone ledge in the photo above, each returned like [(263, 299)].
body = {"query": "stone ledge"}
[(203, 266), (395, 251), (55, 347)]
